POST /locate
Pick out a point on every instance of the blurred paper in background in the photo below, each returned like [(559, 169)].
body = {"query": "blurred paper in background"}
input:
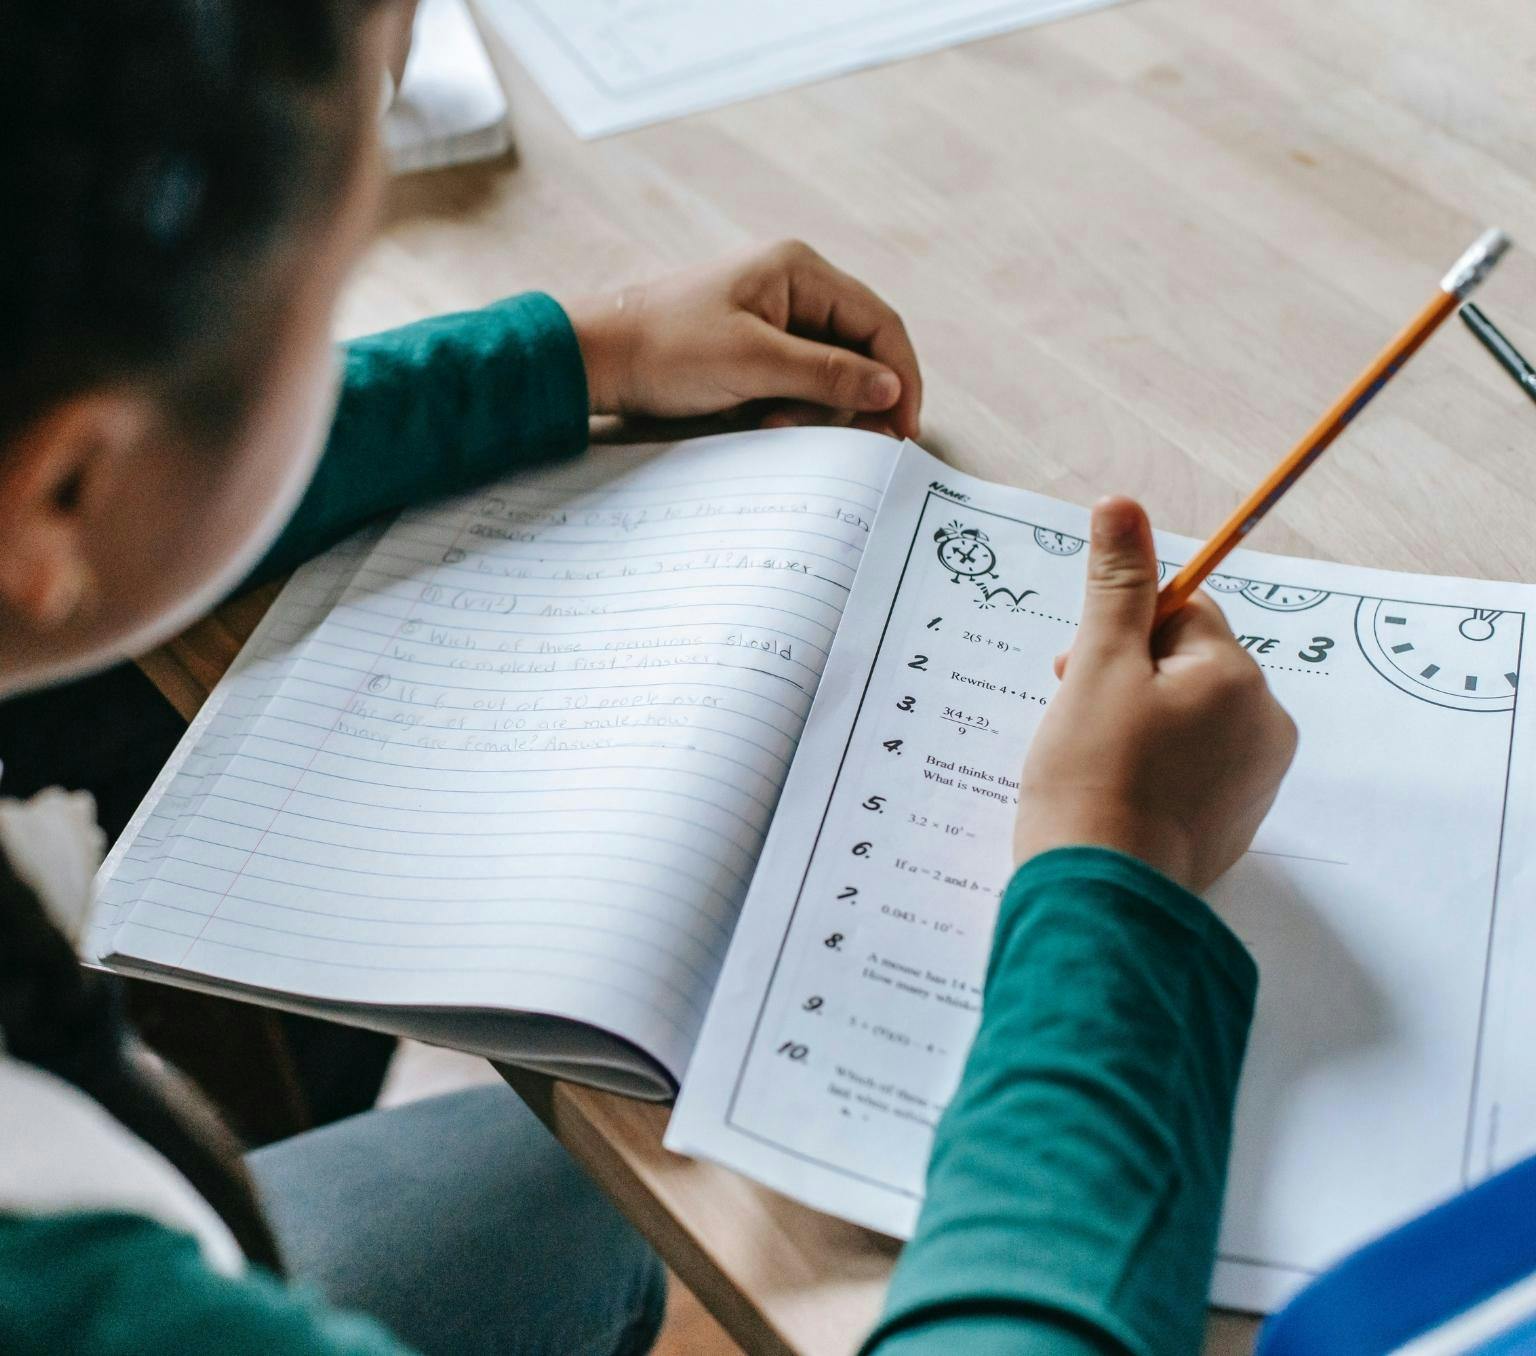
[(610, 65), (451, 107)]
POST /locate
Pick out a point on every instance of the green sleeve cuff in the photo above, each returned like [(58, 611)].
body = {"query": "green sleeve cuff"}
[(437, 408), (1017, 1333), (1077, 1175), (1186, 913)]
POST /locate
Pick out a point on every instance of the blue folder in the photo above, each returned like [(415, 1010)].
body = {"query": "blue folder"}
[(1435, 1273)]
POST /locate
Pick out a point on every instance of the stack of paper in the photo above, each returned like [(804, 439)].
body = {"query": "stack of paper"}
[(451, 107)]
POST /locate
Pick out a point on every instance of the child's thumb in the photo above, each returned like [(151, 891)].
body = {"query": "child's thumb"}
[(1121, 598)]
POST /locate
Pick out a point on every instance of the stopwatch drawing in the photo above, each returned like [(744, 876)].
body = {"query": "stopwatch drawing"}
[(1464, 658), (1225, 583), (1282, 597), (964, 552), (1057, 543)]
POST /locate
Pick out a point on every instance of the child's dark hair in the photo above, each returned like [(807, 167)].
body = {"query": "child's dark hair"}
[(154, 157)]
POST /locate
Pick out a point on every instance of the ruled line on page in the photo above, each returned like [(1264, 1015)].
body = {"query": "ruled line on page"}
[(510, 631), (644, 999), (668, 589), (531, 790), (497, 834), (256, 695), (401, 731), (691, 905), (490, 753), (435, 790), (337, 845), (604, 855), (497, 660), (570, 491), (719, 731), (664, 920), (349, 802), (512, 669), (234, 920), (722, 605), (525, 690)]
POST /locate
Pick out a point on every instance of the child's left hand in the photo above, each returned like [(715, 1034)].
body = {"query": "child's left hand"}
[(776, 324)]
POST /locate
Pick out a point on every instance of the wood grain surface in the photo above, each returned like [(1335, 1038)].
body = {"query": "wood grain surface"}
[(1138, 251)]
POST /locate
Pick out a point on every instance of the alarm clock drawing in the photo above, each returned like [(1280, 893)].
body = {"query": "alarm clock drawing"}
[(964, 552), (1057, 543), (1464, 658)]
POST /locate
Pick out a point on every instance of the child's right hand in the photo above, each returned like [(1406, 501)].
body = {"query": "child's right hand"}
[(1169, 748)]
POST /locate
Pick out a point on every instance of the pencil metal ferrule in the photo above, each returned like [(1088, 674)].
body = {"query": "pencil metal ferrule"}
[(1468, 272)]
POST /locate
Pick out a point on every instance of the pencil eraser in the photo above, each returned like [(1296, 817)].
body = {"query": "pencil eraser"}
[(1476, 264)]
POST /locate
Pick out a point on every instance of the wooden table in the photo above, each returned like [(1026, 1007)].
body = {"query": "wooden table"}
[(1139, 251)]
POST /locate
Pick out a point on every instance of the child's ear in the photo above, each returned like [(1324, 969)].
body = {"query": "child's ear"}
[(52, 474)]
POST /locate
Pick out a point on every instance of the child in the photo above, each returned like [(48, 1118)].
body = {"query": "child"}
[(186, 183)]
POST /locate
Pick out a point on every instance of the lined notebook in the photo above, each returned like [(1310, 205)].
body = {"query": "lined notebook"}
[(537, 773), (518, 752)]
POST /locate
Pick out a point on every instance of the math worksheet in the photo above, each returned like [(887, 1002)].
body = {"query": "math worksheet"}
[(1387, 898), (609, 65)]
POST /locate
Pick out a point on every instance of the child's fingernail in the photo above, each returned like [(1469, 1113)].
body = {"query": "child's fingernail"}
[(882, 388), (1113, 519)]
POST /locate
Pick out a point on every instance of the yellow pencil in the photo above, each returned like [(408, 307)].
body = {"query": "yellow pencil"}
[(1455, 287)]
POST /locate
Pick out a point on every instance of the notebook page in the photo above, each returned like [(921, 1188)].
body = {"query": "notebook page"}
[(1386, 898), (519, 750), (135, 852)]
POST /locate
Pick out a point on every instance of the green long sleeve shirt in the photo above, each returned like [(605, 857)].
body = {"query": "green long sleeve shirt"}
[(1076, 1178), (435, 408)]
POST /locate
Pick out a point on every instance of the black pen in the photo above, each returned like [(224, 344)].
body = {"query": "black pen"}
[(1509, 357)]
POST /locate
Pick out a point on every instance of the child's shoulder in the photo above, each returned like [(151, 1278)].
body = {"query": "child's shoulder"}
[(105, 1283), (61, 1154)]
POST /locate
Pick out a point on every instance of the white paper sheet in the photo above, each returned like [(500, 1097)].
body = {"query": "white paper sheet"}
[(1388, 897), (450, 108), (516, 752), (610, 65)]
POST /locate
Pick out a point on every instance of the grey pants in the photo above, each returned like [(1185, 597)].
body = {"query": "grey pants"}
[(461, 1224)]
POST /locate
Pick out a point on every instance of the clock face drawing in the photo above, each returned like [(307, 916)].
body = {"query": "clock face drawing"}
[(1057, 543), (1282, 597), (1464, 658), (1225, 583), (1275, 597), (964, 552)]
